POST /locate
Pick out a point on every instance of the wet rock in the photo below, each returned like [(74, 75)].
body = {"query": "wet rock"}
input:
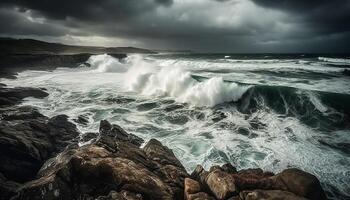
[(228, 168), (28, 139), (12, 96), (199, 174), (113, 163), (269, 195), (225, 183), (256, 173), (82, 120), (302, 183), (90, 136), (200, 196), (8, 188), (221, 184), (191, 187), (118, 133)]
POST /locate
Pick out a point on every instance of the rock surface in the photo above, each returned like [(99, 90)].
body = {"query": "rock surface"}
[(114, 162), (13, 96), (226, 183), (27, 138)]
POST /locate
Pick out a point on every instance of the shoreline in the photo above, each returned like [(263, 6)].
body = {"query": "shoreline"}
[(113, 166)]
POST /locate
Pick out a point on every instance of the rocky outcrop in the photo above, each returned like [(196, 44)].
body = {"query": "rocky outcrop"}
[(13, 96), (112, 167), (226, 183), (28, 139)]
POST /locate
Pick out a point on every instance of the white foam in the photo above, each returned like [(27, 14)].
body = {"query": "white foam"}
[(175, 82), (335, 60), (106, 63)]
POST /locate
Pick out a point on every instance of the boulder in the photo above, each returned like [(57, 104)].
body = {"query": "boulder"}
[(191, 187), (269, 195), (200, 196), (225, 182), (221, 184), (28, 139), (12, 96), (112, 167), (228, 168), (302, 183)]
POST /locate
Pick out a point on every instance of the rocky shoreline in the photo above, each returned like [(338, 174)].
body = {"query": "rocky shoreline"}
[(41, 159)]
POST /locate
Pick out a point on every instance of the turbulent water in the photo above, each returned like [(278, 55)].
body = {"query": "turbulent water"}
[(267, 111)]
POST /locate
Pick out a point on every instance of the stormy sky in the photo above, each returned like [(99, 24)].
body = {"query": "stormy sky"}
[(238, 26)]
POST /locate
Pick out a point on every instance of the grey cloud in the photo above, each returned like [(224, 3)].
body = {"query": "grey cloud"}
[(324, 16), (207, 25)]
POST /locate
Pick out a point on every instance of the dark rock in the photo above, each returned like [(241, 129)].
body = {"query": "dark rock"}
[(225, 183), (221, 184), (7, 188), (229, 168), (21, 113), (12, 96), (269, 195), (200, 196), (82, 120), (113, 167), (28, 139), (302, 183), (191, 187), (90, 136), (215, 167), (200, 175), (161, 154)]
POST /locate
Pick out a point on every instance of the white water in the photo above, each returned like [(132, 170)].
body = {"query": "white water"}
[(145, 96), (335, 60), (177, 83)]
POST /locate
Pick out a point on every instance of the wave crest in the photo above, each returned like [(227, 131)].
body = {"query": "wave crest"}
[(106, 63), (334, 60), (149, 79)]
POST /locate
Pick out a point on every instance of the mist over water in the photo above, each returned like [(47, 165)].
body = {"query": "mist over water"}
[(270, 112)]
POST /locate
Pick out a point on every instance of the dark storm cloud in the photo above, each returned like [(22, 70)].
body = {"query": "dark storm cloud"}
[(327, 16), (89, 9), (204, 25), (14, 22)]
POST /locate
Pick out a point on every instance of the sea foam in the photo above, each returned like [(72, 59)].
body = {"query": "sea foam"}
[(106, 63), (334, 60), (145, 77)]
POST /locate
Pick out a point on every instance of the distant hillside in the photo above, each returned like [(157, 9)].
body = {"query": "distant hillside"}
[(30, 46)]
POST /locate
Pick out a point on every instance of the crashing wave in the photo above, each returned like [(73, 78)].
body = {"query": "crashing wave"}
[(106, 63), (334, 60), (178, 83), (148, 79)]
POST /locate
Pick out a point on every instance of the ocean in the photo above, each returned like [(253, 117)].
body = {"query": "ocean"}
[(266, 111)]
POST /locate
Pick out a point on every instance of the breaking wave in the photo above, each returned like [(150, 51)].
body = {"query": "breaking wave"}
[(106, 63), (143, 76), (335, 60)]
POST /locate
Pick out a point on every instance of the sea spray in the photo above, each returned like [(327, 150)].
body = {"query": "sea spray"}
[(151, 80), (106, 63)]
